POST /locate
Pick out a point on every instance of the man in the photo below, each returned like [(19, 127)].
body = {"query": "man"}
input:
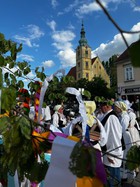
[(112, 151)]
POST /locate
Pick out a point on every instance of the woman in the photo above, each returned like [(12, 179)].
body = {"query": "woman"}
[(58, 118), (121, 109)]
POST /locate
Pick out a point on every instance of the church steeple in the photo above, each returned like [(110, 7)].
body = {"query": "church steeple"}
[(83, 40), (83, 57)]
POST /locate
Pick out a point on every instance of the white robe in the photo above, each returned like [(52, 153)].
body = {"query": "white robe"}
[(113, 130), (132, 129)]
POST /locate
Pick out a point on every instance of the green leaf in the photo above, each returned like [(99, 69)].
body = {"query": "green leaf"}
[(19, 48), (12, 76), (134, 50), (11, 65), (20, 84), (6, 75), (25, 127), (26, 71), (36, 69), (2, 37), (43, 69), (8, 98), (81, 162), (87, 94), (133, 158), (37, 172), (13, 51), (4, 123), (1, 61)]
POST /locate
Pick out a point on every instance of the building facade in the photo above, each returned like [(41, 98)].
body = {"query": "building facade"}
[(87, 67), (128, 77)]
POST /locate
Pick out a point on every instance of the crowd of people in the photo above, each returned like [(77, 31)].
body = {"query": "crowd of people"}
[(117, 127)]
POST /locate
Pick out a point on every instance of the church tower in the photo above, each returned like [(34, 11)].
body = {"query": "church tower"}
[(83, 57)]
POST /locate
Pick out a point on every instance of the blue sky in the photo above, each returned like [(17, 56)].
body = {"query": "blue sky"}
[(50, 29)]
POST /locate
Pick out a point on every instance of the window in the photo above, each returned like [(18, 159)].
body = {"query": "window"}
[(128, 73), (86, 53), (87, 75), (78, 64), (78, 75), (86, 65), (78, 53)]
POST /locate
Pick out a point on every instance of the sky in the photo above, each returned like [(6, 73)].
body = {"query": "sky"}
[(50, 29)]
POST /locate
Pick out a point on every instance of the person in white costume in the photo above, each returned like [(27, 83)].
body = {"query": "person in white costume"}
[(46, 113), (112, 151), (132, 123), (121, 109), (58, 118)]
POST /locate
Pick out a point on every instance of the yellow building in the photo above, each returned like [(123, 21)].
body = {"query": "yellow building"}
[(87, 67)]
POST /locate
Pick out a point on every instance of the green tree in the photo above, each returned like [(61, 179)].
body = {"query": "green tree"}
[(98, 87), (111, 69)]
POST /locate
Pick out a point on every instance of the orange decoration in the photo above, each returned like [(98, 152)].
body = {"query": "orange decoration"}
[(89, 182), (39, 137)]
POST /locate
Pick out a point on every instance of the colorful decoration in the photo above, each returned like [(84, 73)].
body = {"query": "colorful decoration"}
[(37, 138), (5, 114), (89, 182), (44, 87), (24, 99), (37, 98), (86, 162)]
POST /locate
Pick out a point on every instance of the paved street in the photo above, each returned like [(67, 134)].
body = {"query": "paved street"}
[(134, 183)]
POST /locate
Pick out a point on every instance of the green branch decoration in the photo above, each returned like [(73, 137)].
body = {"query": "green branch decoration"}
[(103, 100), (83, 160), (134, 155), (19, 154)]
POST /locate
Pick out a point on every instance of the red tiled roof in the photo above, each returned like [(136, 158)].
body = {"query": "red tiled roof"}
[(72, 72)]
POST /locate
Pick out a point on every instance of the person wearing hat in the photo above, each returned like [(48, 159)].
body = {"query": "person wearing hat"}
[(58, 118), (112, 151), (121, 109)]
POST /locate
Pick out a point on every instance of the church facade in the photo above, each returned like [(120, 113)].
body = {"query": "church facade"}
[(87, 67)]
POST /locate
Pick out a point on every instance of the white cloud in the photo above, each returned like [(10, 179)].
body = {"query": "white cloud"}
[(90, 7), (71, 27), (63, 36), (52, 25), (135, 5), (87, 8), (48, 63), (70, 7), (137, 9), (33, 34), (26, 57), (117, 45), (67, 58), (54, 3), (62, 42), (23, 40)]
